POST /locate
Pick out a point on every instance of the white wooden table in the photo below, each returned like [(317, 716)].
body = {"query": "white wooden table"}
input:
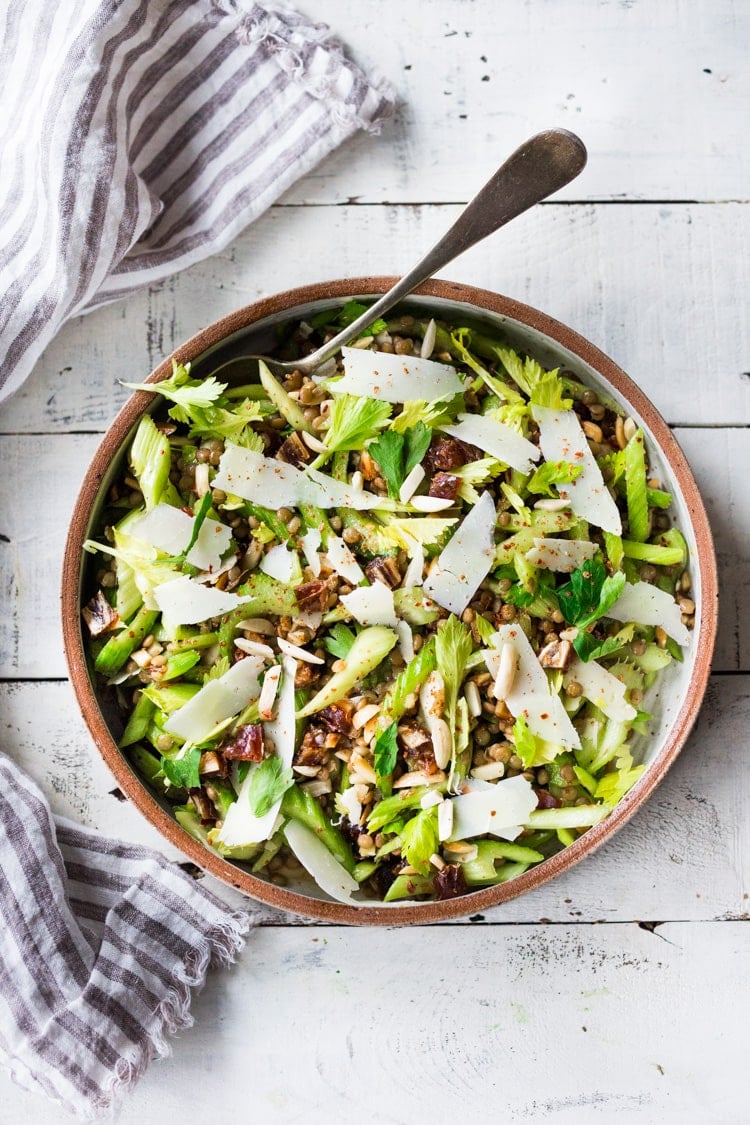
[(619, 992)]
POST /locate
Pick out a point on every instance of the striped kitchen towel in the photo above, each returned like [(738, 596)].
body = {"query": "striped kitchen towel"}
[(139, 136), (101, 944)]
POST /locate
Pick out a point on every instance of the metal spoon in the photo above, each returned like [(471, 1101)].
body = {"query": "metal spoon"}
[(542, 165)]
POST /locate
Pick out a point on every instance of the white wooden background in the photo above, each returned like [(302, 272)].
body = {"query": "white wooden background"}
[(618, 993)]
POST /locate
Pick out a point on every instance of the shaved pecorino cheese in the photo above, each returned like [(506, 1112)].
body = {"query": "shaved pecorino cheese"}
[(603, 689), (183, 601), (465, 562), (495, 438), (561, 438), (343, 561), (395, 378), (648, 605), (500, 809), (371, 605), (170, 529), (563, 555), (217, 701)]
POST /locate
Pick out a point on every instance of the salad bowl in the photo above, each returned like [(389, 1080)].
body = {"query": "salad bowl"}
[(673, 703)]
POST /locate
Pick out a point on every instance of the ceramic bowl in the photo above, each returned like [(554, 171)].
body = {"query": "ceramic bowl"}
[(251, 330)]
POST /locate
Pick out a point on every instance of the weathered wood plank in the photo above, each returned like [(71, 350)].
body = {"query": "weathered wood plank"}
[(38, 467), (683, 857), (570, 1024), (657, 91), (654, 286)]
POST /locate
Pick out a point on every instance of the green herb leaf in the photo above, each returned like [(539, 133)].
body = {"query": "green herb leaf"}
[(544, 388), (475, 473), (416, 443), (525, 742), (589, 593), (385, 751), (231, 425), (268, 784), (439, 412), (589, 648), (183, 771), (387, 810), (339, 640), (354, 421), (408, 681), (552, 472), (419, 840), (453, 645), (185, 392), (388, 451)]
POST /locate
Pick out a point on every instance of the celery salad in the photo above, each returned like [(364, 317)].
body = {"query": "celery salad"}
[(395, 623)]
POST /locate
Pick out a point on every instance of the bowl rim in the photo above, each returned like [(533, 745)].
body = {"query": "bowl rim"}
[(480, 900)]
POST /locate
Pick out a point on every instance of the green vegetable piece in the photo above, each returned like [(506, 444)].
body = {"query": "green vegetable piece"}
[(419, 840), (497, 862), (387, 810), (150, 460), (525, 742), (364, 869), (298, 804), (268, 783), (369, 649), (453, 645), (635, 487), (589, 593), (339, 640), (385, 752), (552, 472), (187, 817), (614, 548), (653, 553), (656, 498), (544, 388), (266, 596), (178, 663), (222, 795), (269, 519), (120, 645), (409, 886), (138, 722), (373, 542), (414, 606), (577, 816), (408, 681), (397, 452), (354, 420), (170, 697), (149, 767), (589, 648), (287, 407), (183, 771), (185, 392)]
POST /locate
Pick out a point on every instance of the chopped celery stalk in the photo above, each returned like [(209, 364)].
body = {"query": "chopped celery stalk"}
[(287, 407), (201, 640), (297, 804), (268, 518), (369, 649), (316, 518), (171, 697), (577, 816), (222, 794), (408, 681), (267, 596), (128, 598), (566, 837), (635, 487), (656, 498), (187, 817), (149, 767), (652, 553), (652, 660), (675, 540), (119, 647), (178, 663), (373, 542), (364, 870), (241, 852), (270, 849), (414, 606), (614, 548), (514, 860), (151, 461), (138, 722), (408, 886)]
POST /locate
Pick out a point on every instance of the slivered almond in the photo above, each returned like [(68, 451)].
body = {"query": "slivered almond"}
[(428, 342), (254, 648), (489, 772), (441, 742), (473, 699), (257, 625), (419, 777), (430, 799), (298, 653), (445, 820), (268, 692), (366, 772), (431, 503), (551, 505), (411, 483), (506, 672), (314, 443), (307, 771), (364, 715), (202, 483), (462, 850)]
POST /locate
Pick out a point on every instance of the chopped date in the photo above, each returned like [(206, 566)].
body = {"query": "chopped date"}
[(445, 486), (212, 764), (314, 749), (246, 745), (545, 800), (445, 453), (450, 882), (294, 450), (204, 806), (312, 595), (338, 716), (384, 569), (306, 674), (417, 747), (99, 615)]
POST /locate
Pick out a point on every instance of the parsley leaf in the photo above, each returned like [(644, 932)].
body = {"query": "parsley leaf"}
[(525, 742), (419, 840), (589, 593), (385, 751), (339, 640), (268, 783), (398, 453), (589, 648), (354, 420), (183, 771), (552, 472)]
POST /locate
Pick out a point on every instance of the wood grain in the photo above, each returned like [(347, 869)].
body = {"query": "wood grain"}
[(654, 286), (528, 1024)]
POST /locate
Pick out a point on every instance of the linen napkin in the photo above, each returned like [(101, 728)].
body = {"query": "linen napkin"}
[(139, 136), (101, 944)]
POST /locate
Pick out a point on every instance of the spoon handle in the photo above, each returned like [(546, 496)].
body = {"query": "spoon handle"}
[(542, 165)]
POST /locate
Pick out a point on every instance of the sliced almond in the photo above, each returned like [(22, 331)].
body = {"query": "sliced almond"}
[(430, 799), (363, 716), (441, 742), (473, 699), (411, 483), (490, 772), (257, 625), (298, 653), (419, 777), (254, 648), (506, 672), (431, 503), (268, 692), (445, 820)]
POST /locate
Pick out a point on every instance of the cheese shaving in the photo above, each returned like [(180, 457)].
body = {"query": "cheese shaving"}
[(183, 601), (395, 378), (495, 438), (278, 563), (372, 605), (170, 529), (561, 438), (648, 605), (343, 561), (499, 810), (463, 565), (563, 555), (217, 701), (603, 689)]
